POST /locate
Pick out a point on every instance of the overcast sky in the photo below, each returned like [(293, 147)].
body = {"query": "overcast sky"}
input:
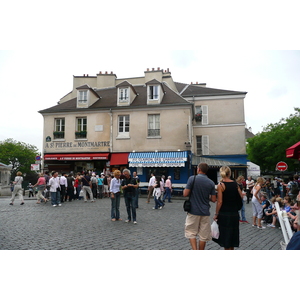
[(52, 43)]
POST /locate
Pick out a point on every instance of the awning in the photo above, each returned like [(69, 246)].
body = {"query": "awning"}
[(212, 162), (158, 159), (294, 151), (79, 156), (119, 159)]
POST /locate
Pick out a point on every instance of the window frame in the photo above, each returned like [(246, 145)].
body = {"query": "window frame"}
[(155, 123), (83, 99), (124, 125), (151, 92), (203, 140)]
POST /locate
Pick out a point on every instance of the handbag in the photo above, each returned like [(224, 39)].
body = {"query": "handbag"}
[(187, 203)]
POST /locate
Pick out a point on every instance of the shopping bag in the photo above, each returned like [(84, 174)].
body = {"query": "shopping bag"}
[(215, 230)]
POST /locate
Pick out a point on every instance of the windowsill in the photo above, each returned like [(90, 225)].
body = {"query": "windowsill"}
[(81, 139), (153, 137), (59, 140), (123, 138)]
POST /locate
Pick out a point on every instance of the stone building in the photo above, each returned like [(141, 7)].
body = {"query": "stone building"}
[(148, 124), (5, 189)]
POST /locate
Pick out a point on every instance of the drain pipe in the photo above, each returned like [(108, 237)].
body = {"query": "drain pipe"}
[(111, 131)]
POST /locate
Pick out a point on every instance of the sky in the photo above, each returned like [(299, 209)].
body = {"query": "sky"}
[(247, 46)]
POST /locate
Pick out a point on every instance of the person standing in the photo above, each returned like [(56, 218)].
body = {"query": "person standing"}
[(100, 186), (158, 192), (30, 189), (94, 182), (55, 189), (63, 186), (86, 187), (137, 191), (150, 187), (129, 185), (256, 203), (115, 196), (240, 181), (201, 190), (18, 191), (168, 191), (249, 187), (70, 188), (41, 186), (227, 211)]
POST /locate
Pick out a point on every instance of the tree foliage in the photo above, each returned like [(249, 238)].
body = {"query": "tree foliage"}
[(268, 148), (18, 154)]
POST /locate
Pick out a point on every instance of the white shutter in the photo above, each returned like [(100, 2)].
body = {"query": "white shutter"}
[(205, 145), (204, 114)]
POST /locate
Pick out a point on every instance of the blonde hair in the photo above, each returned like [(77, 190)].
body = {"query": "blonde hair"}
[(260, 180), (225, 171), (117, 172), (19, 173)]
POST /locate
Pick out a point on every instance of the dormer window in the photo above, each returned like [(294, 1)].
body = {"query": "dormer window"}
[(123, 94), (153, 92), (83, 96)]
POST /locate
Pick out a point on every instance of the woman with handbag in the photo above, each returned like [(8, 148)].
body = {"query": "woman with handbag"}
[(17, 189), (227, 211), (115, 196)]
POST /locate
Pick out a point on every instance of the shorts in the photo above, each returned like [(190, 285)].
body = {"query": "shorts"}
[(198, 226), (105, 189)]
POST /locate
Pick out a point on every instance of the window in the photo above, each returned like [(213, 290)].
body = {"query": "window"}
[(81, 128), (82, 96), (59, 128), (201, 114), (153, 125), (123, 95), (202, 145), (124, 125), (153, 92)]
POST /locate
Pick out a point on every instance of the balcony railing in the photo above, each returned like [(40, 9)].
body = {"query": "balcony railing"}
[(58, 134), (153, 132), (80, 134)]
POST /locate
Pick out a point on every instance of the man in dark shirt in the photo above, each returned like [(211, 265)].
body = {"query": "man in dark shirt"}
[(129, 186)]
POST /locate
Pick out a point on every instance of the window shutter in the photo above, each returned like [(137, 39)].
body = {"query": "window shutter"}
[(204, 114), (205, 145)]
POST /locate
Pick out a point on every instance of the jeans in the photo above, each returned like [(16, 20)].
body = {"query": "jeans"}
[(115, 205), (130, 205), (243, 212), (167, 194), (158, 202), (55, 198)]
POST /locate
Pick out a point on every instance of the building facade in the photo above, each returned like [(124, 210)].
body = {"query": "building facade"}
[(149, 124)]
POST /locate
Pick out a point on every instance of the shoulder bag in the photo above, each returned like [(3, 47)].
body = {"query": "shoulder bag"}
[(187, 203)]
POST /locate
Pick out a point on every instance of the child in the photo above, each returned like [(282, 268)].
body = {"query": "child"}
[(274, 212), (287, 201), (157, 192), (265, 205)]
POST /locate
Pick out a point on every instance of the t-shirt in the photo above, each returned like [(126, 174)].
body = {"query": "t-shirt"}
[(200, 194)]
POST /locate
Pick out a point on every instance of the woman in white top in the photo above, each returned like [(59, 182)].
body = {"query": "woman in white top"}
[(17, 189), (115, 195), (256, 203)]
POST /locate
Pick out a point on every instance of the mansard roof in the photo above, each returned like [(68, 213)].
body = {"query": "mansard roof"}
[(108, 99), (190, 90)]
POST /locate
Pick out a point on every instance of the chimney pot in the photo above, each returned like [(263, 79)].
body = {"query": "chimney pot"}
[(147, 69), (105, 72), (153, 69), (158, 69)]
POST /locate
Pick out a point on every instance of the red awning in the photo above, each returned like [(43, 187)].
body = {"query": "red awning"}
[(119, 159), (79, 156), (294, 151)]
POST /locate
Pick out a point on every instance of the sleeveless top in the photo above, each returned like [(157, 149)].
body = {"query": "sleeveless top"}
[(231, 198)]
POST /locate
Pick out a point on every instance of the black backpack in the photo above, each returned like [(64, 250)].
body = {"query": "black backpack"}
[(294, 188)]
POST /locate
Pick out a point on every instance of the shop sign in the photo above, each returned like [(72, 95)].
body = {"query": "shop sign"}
[(76, 145)]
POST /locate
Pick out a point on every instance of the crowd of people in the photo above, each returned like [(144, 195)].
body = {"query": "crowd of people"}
[(231, 197), (88, 186)]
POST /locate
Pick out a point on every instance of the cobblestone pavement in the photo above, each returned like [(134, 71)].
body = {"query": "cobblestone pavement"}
[(77, 226)]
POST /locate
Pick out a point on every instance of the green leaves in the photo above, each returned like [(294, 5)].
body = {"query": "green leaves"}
[(17, 154), (266, 149)]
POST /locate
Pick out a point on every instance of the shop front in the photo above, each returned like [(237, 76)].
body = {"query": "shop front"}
[(174, 164), (75, 162)]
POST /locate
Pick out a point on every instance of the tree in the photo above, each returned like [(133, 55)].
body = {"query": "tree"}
[(17, 154), (268, 148)]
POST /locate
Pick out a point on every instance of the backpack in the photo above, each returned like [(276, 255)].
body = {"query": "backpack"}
[(294, 188)]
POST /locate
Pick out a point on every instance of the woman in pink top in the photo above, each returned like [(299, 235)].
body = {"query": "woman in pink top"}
[(41, 185), (168, 187)]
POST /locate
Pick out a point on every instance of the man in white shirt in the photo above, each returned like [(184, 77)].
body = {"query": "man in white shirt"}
[(150, 187), (55, 189), (63, 186)]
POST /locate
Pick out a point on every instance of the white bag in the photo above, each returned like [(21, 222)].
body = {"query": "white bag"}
[(215, 230)]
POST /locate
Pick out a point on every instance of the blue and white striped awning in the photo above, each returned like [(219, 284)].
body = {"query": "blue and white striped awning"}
[(157, 159)]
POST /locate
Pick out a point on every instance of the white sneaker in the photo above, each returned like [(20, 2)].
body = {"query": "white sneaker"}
[(261, 227), (135, 222), (54, 205), (59, 204)]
